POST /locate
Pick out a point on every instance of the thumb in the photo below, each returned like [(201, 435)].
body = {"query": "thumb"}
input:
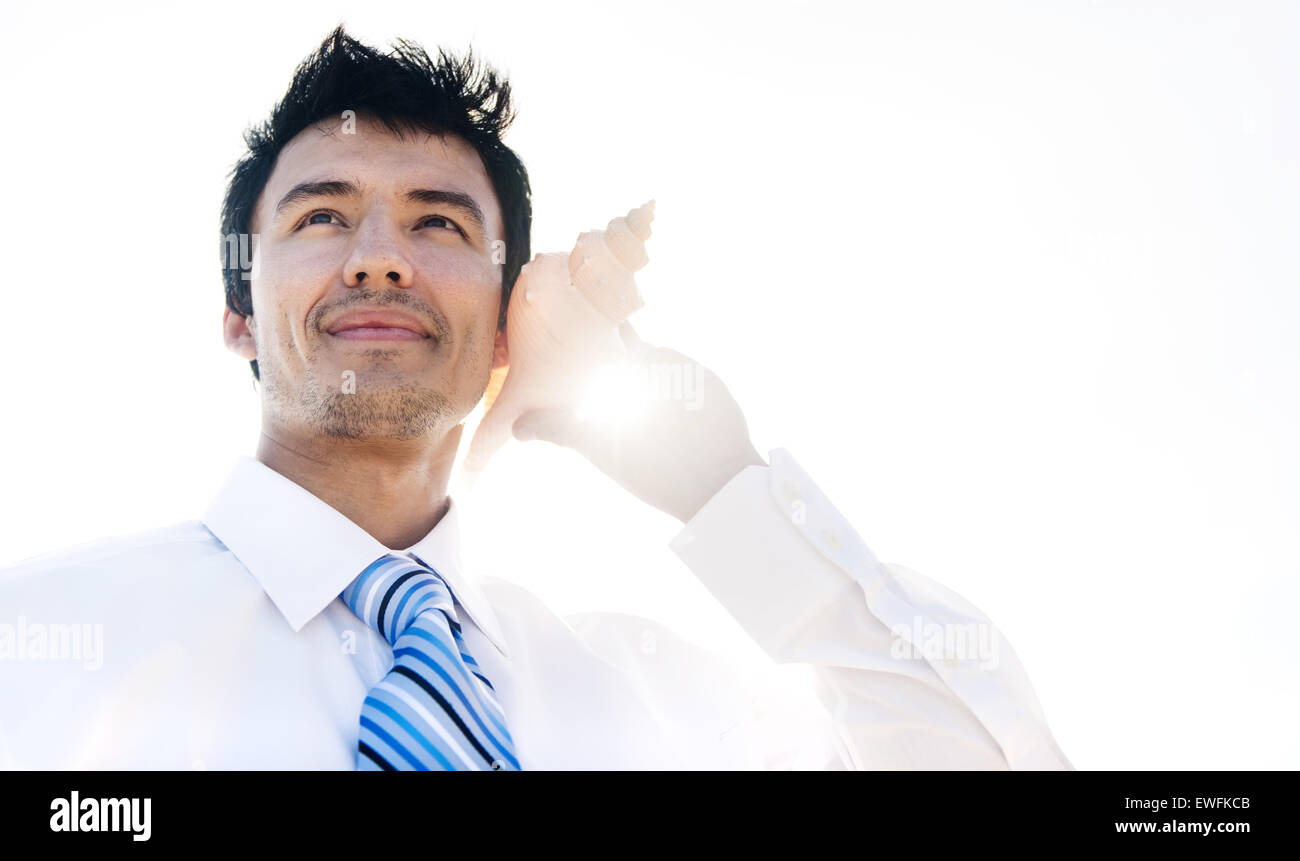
[(547, 424)]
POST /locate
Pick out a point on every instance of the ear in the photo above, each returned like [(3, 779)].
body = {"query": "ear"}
[(500, 351), (238, 335)]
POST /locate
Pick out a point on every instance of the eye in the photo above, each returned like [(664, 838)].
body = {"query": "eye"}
[(310, 217), (442, 222)]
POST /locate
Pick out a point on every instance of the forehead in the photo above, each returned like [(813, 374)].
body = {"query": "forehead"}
[(382, 163)]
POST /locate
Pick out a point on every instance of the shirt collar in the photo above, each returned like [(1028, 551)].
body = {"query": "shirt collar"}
[(305, 553)]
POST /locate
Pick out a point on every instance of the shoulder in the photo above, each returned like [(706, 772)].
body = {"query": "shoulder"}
[(102, 560)]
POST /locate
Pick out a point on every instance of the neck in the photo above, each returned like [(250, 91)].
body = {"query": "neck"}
[(395, 490)]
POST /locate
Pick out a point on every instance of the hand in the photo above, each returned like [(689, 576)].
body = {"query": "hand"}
[(676, 455)]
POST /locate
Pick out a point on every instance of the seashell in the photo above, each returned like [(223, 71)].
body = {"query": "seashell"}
[(563, 323)]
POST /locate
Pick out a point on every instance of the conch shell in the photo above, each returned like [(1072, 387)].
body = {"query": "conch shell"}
[(562, 323)]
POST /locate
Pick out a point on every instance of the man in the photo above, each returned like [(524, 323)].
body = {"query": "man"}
[(319, 615)]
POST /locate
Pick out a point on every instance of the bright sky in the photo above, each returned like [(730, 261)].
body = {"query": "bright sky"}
[(1016, 283)]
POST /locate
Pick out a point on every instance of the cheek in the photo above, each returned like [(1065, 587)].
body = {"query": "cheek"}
[(467, 286), (284, 289), (299, 267)]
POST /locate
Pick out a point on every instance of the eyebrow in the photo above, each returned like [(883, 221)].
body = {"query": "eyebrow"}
[(307, 190), (345, 188)]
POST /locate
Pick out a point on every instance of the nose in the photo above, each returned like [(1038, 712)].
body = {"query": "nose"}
[(377, 259)]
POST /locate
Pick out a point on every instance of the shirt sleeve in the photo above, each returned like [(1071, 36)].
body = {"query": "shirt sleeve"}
[(909, 673)]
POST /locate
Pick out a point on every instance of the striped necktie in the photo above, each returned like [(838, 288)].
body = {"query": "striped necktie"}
[(435, 710)]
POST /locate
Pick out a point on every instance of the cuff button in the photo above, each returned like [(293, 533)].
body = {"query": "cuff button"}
[(791, 493)]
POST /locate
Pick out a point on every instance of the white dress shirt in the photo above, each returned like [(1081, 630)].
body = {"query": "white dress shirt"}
[(222, 644)]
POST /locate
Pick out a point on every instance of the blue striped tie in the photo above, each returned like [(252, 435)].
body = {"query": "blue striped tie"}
[(435, 710)]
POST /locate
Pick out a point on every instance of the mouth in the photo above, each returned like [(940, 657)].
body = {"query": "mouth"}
[(379, 326), (379, 333)]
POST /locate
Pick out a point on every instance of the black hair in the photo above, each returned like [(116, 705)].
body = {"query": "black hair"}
[(406, 90)]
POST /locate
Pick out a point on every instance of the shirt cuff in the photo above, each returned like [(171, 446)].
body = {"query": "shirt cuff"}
[(775, 552), (739, 545)]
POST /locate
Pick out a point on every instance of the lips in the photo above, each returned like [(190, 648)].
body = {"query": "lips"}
[(378, 333), (379, 326)]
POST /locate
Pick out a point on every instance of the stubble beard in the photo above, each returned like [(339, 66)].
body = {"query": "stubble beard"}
[(390, 410)]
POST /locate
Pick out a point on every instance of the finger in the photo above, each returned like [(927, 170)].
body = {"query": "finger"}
[(564, 428), (631, 339)]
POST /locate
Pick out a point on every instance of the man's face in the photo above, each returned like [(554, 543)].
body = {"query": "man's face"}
[(352, 226)]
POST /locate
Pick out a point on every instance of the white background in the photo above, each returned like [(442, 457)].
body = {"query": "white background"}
[(1016, 283)]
